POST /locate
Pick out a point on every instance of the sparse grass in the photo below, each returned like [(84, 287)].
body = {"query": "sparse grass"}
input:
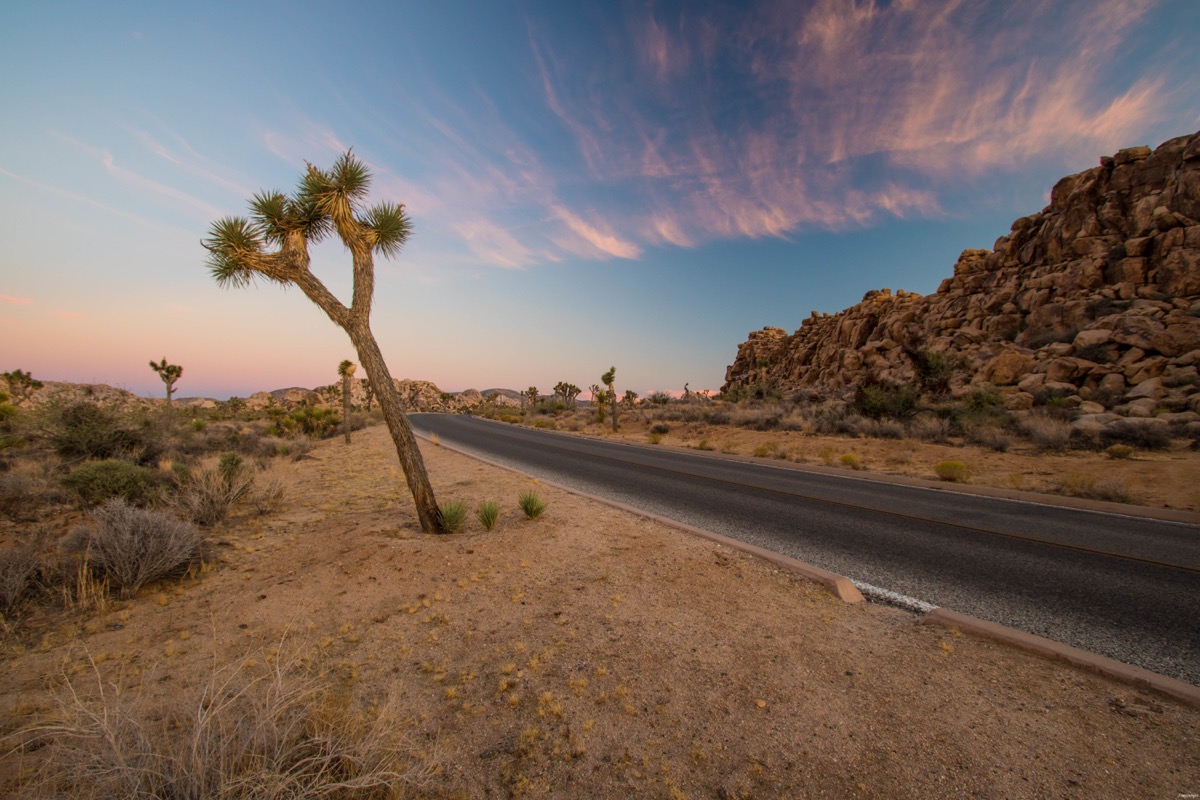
[(929, 428), (1045, 431), (132, 546), (272, 733), (18, 566), (952, 471), (269, 492), (531, 504), (206, 495), (452, 515), (487, 514)]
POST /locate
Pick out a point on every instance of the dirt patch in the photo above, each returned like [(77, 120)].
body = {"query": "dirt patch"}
[(590, 653)]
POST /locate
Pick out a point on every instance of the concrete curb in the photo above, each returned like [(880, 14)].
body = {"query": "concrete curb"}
[(845, 590), (1109, 667)]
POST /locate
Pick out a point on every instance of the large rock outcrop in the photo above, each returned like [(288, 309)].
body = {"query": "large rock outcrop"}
[(1096, 298)]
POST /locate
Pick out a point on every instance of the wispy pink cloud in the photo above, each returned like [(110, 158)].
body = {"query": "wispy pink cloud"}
[(64, 314), (594, 238), (15, 301), (75, 196)]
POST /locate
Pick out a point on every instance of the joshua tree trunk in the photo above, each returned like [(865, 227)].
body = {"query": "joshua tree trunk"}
[(346, 405)]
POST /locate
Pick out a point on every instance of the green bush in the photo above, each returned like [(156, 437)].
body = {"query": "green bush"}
[(85, 430), (852, 461), (452, 515), (953, 471), (487, 514), (531, 504), (881, 400), (99, 481), (307, 420)]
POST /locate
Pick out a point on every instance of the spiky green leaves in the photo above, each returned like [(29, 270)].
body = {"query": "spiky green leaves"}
[(346, 368), (388, 228), (234, 246)]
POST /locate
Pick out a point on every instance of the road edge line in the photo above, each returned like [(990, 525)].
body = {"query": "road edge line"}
[(1109, 667)]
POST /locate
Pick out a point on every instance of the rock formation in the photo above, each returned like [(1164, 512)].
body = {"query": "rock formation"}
[(1094, 299)]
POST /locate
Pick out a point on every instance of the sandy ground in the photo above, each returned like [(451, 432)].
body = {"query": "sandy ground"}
[(593, 654)]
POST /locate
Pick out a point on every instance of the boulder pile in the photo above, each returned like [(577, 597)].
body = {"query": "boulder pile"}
[(1093, 301)]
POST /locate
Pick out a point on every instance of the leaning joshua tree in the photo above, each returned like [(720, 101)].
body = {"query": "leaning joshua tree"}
[(169, 374), (346, 371), (609, 378), (273, 244)]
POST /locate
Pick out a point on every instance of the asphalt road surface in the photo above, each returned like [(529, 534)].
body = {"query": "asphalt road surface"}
[(1119, 585)]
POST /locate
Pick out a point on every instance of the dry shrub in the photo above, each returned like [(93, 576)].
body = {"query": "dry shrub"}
[(18, 566), (132, 546), (1119, 451), (1046, 431), (1112, 489), (206, 495), (989, 436), (929, 428), (25, 488), (852, 461), (273, 735), (270, 491)]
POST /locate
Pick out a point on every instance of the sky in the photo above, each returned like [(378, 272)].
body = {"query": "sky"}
[(591, 184)]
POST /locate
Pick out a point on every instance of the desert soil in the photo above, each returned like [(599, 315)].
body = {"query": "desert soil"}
[(592, 654)]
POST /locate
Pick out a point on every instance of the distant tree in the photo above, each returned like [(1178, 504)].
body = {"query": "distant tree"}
[(366, 384), (346, 371), (531, 395), (630, 398), (274, 245), (21, 385), (608, 379), (170, 373), (567, 392)]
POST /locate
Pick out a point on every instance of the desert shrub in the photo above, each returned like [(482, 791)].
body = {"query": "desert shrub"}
[(761, 418), (269, 492), (206, 495), (87, 431), (1112, 489), (531, 504), (882, 428), (18, 566), (1045, 431), (704, 444), (852, 461), (989, 436), (654, 438), (660, 428), (98, 481), (879, 400), (26, 487), (929, 428), (544, 424), (199, 424), (657, 398), (762, 451), (953, 471), (1119, 451), (1136, 434), (935, 370), (132, 546), (278, 733), (295, 449), (311, 421), (487, 514), (452, 515)]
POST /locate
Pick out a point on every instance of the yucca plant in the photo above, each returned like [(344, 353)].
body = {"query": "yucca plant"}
[(487, 514), (531, 504), (452, 515)]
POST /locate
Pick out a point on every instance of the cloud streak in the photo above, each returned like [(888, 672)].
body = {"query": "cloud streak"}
[(15, 301)]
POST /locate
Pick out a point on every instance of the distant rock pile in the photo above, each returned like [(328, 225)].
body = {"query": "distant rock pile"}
[(1094, 300)]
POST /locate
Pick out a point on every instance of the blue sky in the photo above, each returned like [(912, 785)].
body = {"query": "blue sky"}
[(591, 184)]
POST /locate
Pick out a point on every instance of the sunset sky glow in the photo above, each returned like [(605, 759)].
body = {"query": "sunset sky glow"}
[(591, 184)]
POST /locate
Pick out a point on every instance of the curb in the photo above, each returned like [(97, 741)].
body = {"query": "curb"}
[(1108, 667), (844, 589)]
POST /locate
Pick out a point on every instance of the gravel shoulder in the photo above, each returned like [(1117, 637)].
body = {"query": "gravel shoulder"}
[(593, 653)]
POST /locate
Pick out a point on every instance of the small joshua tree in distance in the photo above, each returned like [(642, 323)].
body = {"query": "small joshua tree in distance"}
[(170, 373), (609, 378), (20, 385), (346, 371)]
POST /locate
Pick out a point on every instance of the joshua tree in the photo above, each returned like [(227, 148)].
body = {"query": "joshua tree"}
[(346, 371), (630, 398), (366, 384), (20, 385), (532, 394), (273, 244), (169, 374), (608, 379)]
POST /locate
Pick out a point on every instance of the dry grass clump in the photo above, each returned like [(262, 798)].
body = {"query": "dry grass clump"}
[(206, 495), (990, 436), (1119, 451), (279, 734), (929, 428), (1045, 431), (133, 546), (852, 461), (1112, 489), (18, 567)]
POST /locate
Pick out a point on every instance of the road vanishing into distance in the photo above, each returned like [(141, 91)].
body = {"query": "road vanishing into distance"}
[(1119, 585)]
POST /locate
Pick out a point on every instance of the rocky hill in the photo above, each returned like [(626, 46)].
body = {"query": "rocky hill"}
[(1095, 299)]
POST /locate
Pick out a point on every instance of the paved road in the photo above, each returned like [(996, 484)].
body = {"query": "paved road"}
[(1020, 564)]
